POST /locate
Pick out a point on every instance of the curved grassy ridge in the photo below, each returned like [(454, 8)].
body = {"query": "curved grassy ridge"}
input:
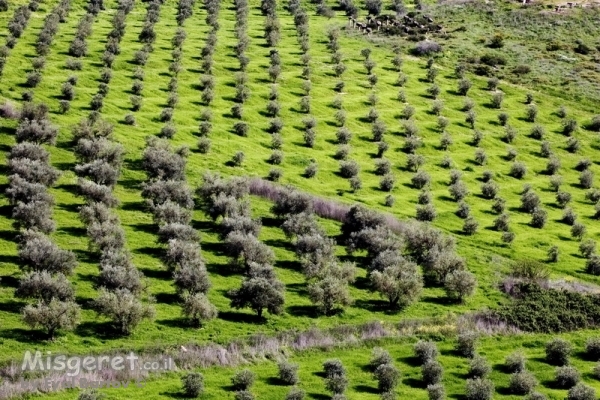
[(484, 252), (362, 385)]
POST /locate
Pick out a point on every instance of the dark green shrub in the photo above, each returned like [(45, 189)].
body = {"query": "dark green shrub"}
[(193, 384)]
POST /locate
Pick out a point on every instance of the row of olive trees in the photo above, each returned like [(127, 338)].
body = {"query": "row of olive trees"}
[(112, 49), (309, 123), (327, 279), (185, 9), (44, 264), (51, 23), (207, 81), (168, 131), (227, 201), (16, 26), (170, 201), (120, 283)]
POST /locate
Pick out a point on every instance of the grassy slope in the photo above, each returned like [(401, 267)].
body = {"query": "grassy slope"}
[(361, 383), (483, 251)]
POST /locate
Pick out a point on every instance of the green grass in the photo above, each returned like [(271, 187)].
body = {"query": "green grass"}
[(487, 257), (362, 385)]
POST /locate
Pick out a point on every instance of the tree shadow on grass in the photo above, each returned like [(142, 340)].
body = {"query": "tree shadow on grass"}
[(130, 183), (366, 389), (10, 236), (25, 336), (74, 208), (410, 360), (167, 298), (9, 280), (441, 301), (147, 228), (99, 330), (318, 396), (271, 222), (233, 316), (281, 243), (180, 323), (74, 231), (375, 305), (12, 306), (504, 390), (288, 264), (303, 311), (174, 395), (86, 277), (275, 381), (155, 252), (414, 383), (159, 274)]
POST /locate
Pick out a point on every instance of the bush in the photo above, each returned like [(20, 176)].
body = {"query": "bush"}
[(420, 179), (479, 389), (243, 380), (45, 287), (587, 248), (466, 344), (569, 216), (288, 373), (458, 190), (238, 159), (480, 156), (569, 126), (558, 352), (566, 377), (594, 125), (586, 179), (243, 395), (592, 266), (436, 392), (515, 362), (35, 131), (425, 351), (463, 211), (537, 132), (479, 367), (38, 253), (489, 189), (123, 308), (337, 384), (592, 349), (333, 367), (460, 284), (52, 317), (426, 47), (387, 376), (196, 306), (295, 394), (432, 372), (581, 392), (464, 85), (497, 99), (578, 230), (522, 383), (518, 170), (387, 182), (193, 384), (349, 169), (573, 145), (426, 212), (343, 135), (470, 225), (539, 216), (553, 254)]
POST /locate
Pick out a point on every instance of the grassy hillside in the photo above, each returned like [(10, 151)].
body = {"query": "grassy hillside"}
[(486, 255)]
